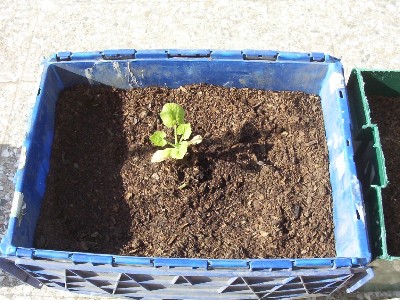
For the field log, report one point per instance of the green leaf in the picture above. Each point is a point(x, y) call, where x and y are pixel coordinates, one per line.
point(172, 114)
point(158, 138)
point(161, 155)
point(184, 130)
point(180, 151)
point(196, 140)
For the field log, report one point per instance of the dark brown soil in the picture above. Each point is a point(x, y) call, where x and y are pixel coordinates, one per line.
point(256, 187)
point(385, 112)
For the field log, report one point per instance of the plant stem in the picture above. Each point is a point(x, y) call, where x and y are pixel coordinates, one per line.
point(176, 136)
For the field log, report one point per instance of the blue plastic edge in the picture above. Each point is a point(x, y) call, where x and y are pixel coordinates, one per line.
point(181, 262)
point(252, 264)
point(342, 262)
point(290, 56)
point(117, 54)
point(189, 53)
point(271, 264)
point(152, 54)
point(51, 254)
point(92, 258)
point(93, 55)
point(228, 263)
point(348, 187)
point(322, 262)
point(131, 260)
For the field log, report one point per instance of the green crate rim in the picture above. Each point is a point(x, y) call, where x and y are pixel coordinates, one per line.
point(356, 77)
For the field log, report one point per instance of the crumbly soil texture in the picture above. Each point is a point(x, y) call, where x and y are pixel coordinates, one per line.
point(385, 112)
point(256, 187)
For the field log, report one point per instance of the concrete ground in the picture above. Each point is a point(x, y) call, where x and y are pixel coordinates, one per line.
point(362, 34)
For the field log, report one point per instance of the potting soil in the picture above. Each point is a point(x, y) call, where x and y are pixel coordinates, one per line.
point(256, 187)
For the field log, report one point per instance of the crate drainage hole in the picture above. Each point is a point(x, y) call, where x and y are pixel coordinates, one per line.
point(358, 214)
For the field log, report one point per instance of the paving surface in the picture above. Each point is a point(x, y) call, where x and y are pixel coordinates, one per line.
point(361, 33)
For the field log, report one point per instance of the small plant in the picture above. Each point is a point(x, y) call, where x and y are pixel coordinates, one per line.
point(173, 116)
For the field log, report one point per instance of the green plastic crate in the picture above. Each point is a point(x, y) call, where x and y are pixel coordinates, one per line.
point(371, 170)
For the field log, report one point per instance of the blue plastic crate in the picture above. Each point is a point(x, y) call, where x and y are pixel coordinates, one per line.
point(141, 277)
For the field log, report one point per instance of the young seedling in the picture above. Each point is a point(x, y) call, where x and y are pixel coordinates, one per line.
point(173, 116)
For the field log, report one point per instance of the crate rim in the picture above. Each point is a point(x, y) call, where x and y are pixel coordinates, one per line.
point(358, 73)
point(7, 249)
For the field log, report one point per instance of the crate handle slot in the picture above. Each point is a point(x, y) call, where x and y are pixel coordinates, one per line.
point(189, 53)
